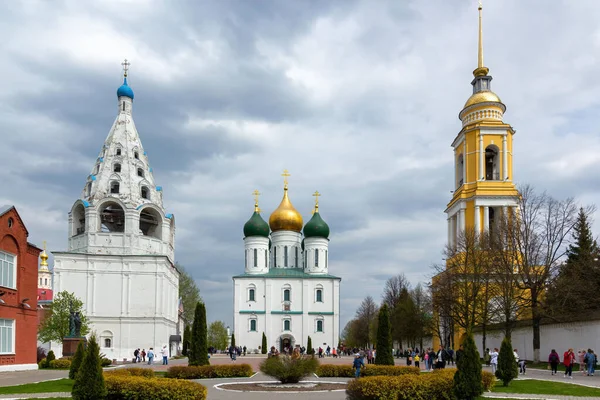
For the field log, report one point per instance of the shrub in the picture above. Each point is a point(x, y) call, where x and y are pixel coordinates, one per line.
point(263, 349)
point(89, 380)
point(121, 387)
point(105, 362)
point(76, 361)
point(198, 351)
point(309, 348)
point(41, 354)
point(507, 365)
point(488, 380)
point(384, 338)
point(42, 363)
point(467, 380)
point(60, 364)
point(346, 371)
point(289, 370)
point(210, 371)
point(186, 340)
point(143, 372)
point(233, 339)
point(49, 358)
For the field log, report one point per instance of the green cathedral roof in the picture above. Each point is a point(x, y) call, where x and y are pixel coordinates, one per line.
point(256, 226)
point(316, 227)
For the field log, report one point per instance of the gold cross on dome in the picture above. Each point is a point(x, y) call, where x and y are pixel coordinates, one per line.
point(316, 194)
point(256, 193)
point(125, 65)
point(44, 245)
point(285, 176)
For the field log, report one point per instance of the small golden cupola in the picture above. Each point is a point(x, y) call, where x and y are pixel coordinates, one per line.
point(482, 94)
point(286, 217)
point(44, 262)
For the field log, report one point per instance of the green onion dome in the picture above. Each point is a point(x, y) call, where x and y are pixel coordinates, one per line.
point(316, 227)
point(256, 226)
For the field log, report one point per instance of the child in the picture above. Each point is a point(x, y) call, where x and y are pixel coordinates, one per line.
point(416, 359)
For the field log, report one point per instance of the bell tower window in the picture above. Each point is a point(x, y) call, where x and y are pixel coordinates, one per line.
point(117, 167)
point(492, 171)
point(114, 187)
point(145, 193)
point(118, 152)
point(140, 172)
point(460, 170)
point(136, 155)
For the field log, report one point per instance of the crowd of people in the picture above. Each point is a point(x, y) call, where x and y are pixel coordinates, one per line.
point(139, 356)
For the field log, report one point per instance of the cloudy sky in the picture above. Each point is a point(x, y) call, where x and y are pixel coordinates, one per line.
point(357, 99)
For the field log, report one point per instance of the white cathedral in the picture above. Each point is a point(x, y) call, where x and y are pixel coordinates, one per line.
point(286, 290)
point(120, 258)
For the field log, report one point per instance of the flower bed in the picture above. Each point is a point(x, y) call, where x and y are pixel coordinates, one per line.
point(346, 371)
point(210, 371)
point(122, 387)
point(435, 385)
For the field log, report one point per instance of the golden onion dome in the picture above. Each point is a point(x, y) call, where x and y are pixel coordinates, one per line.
point(486, 96)
point(286, 217)
point(44, 263)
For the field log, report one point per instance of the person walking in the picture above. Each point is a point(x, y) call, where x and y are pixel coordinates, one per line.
point(494, 360)
point(581, 359)
point(590, 359)
point(165, 355)
point(143, 355)
point(568, 361)
point(357, 364)
point(150, 355)
point(553, 360)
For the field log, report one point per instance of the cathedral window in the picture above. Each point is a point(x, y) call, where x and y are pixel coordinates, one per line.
point(492, 220)
point(45, 281)
point(253, 327)
point(145, 193)
point(492, 165)
point(107, 341)
point(140, 172)
point(460, 170)
point(251, 295)
point(88, 189)
point(287, 325)
point(112, 218)
point(118, 152)
point(275, 257)
point(123, 106)
point(136, 155)
point(40, 281)
point(326, 258)
point(150, 223)
point(286, 295)
point(285, 256)
point(117, 167)
point(319, 296)
point(114, 187)
point(255, 258)
point(78, 220)
point(316, 258)
point(8, 271)
point(296, 256)
point(266, 259)
point(319, 325)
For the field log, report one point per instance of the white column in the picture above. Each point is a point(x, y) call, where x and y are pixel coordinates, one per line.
point(477, 218)
point(455, 226)
point(462, 219)
point(486, 219)
point(450, 232)
point(504, 159)
point(481, 157)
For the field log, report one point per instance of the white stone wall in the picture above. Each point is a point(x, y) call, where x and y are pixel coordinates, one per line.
point(134, 298)
point(268, 310)
point(576, 335)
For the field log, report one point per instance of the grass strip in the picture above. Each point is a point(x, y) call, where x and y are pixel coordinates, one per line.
point(533, 386)
point(60, 385)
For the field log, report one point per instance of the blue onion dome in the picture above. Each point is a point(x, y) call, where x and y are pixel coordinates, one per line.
point(125, 90)
point(316, 227)
point(256, 226)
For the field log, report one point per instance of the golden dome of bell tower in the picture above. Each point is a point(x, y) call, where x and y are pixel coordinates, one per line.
point(286, 217)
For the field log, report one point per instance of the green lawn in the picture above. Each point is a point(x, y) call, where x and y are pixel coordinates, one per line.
point(532, 386)
point(60, 385)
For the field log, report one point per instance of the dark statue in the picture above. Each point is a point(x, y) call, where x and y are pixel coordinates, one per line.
point(77, 319)
point(74, 322)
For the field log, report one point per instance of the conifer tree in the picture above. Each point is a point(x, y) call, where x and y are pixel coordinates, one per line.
point(76, 360)
point(49, 357)
point(198, 346)
point(263, 349)
point(187, 333)
point(89, 381)
point(467, 379)
point(309, 348)
point(507, 365)
point(233, 339)
point(384, 338)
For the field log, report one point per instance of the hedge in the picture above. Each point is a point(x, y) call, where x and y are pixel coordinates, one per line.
point(138, 387)
point(435, 385)
point(346, 371)
point(144, 372)
point(60, 364)
point(210, 371)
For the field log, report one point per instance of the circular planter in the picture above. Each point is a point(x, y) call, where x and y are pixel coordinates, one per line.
point(276, 387)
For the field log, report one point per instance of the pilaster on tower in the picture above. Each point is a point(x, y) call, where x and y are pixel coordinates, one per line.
point(483, 149)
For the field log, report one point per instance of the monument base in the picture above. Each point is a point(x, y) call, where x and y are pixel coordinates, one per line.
point(70, 345)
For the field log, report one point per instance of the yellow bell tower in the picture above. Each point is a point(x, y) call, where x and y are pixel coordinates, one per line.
point(483, 184)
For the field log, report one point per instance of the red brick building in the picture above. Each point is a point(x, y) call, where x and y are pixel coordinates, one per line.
point(18, 294)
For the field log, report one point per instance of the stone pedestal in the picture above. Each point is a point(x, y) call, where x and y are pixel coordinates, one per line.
point(70, 345)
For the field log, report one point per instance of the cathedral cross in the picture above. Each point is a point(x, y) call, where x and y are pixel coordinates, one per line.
point(256, 193)
point(44, 245)
point(285, 176)
point(317, 195)
point(125, 65)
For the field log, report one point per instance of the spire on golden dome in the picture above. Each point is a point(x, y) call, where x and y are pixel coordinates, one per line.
point(285, 217)
point(44, 262)
point(481, 69)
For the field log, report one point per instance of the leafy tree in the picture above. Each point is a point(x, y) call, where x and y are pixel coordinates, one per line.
point(309, 346)
point(384, 338)
point(217, 335)
point(198, 348)
point(467, 379)
point(76, 360)
point(507, 365)
point(187, 335)
point(56, 326)
point(189, 294)
point(89, 381)
point(263, 348)
point(233, 339)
